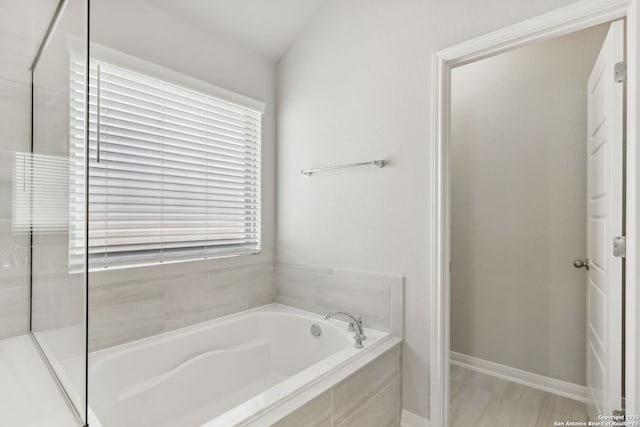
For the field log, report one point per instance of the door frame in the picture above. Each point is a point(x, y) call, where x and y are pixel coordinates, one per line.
point(575, 17)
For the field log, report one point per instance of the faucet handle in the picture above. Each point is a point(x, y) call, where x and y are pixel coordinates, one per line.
point(352, 326)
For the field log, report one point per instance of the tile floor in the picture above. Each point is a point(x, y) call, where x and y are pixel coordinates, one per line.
point(481, 400)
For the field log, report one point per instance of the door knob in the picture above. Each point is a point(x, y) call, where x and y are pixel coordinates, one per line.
point(581, 263)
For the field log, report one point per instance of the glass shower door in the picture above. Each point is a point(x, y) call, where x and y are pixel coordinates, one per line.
point(54, 200)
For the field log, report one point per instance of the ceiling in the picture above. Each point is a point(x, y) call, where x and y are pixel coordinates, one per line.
point(267, 27)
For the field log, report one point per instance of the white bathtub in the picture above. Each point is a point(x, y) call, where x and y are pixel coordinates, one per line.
point(224, 372)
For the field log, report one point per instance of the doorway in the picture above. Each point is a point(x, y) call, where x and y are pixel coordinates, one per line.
point(561, 22)
point(521, 174)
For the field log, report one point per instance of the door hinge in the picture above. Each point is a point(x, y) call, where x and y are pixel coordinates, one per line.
point(620, 72)
point(620, 247)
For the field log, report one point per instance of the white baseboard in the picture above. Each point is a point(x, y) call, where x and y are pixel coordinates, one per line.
point(548, 384)
point(409, 419)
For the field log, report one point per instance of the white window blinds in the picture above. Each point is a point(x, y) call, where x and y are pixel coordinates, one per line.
point(174, 174)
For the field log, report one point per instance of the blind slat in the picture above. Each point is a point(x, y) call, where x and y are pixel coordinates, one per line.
point(178, 177)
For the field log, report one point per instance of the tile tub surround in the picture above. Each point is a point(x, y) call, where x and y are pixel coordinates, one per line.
point(14, 281)
point(127, 310)
point(124, 310)
point(368, 397)
point(378, 298)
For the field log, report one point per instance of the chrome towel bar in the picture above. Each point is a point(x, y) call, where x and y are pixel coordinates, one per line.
point(378, 163)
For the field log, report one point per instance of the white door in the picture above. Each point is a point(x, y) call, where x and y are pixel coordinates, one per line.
point(604, 223)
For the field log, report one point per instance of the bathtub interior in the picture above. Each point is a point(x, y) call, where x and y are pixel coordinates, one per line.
point(190, 376)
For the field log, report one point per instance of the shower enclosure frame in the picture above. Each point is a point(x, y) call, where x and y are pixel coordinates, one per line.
point(82, 413)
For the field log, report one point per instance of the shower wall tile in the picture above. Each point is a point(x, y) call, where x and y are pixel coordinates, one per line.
point(57, 303)
point(364, 293)
point(261, 285)
point(123, 311)
point(192, 299)
point(7, 161)
point(13, 43)
point(15, 117)
point(22, 24)
point(14, 255)
point(126, 311)
point(11, 273)
point(58, 296)
point(376, 297)
point(297, 287)
point(14, 304)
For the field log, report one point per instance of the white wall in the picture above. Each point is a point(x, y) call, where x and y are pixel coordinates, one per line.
point(519, 182)
point(356, 86)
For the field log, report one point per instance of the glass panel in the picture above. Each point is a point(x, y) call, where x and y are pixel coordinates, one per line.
point(53, 188)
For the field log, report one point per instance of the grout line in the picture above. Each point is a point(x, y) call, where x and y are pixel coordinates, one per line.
point(10, 80)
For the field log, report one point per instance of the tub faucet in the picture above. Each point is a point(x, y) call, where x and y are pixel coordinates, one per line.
point(355, 325)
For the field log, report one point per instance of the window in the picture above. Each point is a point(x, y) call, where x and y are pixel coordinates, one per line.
point(174, 174)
